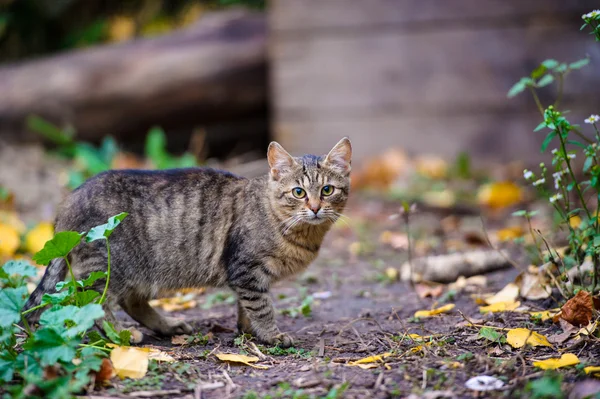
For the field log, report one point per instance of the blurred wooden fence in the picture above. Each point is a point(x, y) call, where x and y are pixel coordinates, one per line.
point(426, 75)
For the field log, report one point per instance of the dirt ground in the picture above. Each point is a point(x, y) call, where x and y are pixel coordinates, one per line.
point(362, 313)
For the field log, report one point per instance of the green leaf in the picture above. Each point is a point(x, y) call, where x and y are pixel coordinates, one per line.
point(71, 320)
point(94, 337)
point(520, 213)
point(520, 86)
point(7, 366)
point(539, 71)
point(110, 332)
point(88, 282)
point(588, 164)
point(91, 158)
point(19, 267)
point(491, 335)
point(11, 303)
point(85, 297)
point(156, 147)
point(125, 337)
point(50, 346)
point(58, 247)
point(545, 80)
point(49, 131)
point(104, 231)
point(579, 64)
point(550, 64)
point(576, 143)
point(547, 140)
point(540, 127)
point(58, 298)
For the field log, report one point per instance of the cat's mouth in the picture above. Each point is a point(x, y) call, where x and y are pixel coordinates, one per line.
point(314, 218)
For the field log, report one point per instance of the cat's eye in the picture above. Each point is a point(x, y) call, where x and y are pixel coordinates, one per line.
point(327, 190)
point(298, 192)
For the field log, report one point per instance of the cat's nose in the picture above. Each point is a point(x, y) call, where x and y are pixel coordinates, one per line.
point(315, 208)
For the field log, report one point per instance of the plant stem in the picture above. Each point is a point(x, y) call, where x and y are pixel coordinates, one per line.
point(34, 308)
point(103, 297)
point(560, 90)
point(537, 101)
point(72, 275)
point(26, 324)
point(95, 347)
point(570, 169)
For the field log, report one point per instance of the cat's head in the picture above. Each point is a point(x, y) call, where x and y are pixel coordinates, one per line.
point(310, 189)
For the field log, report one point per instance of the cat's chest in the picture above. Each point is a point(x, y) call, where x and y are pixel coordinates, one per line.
point(291, 259)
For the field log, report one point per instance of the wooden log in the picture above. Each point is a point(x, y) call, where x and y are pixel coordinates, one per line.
point(211, 72)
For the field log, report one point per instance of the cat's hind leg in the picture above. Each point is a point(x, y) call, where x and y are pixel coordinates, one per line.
point(141, 311)
point(136, 335)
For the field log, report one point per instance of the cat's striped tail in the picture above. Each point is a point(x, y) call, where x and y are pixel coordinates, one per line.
point(55, 273)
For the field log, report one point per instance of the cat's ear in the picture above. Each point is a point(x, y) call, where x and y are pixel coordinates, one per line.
point(340, 156)
point(279, 159)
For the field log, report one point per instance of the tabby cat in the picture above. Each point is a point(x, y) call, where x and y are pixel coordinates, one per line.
point(200, 227)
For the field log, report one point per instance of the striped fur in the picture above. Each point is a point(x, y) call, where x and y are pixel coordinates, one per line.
point(201, 227)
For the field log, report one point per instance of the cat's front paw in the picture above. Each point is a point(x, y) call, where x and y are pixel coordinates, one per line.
point(282, 340)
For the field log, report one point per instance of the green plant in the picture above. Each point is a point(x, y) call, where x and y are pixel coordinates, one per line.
point(573, 185)
point(547, 387)
point(592, 19)
point(40, 362)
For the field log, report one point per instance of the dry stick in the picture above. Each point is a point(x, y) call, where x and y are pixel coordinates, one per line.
point(481, 325)
point(487, 238)
point(556, 263)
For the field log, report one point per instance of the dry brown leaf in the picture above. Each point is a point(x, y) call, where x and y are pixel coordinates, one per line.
point(382, 171)
point(500, 307)
point(106, 371)
point(474, 281)
point(578, 310)
point(180, 339)
point(427, 289)
point(475, 238)
point(568, 331)
point(431, 166)
point(533, 285)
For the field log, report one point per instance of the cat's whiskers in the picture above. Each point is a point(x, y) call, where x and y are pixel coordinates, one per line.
point(295, 220)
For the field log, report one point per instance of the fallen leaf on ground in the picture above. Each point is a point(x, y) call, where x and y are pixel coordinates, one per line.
point(242, 359)
point(417, 337)
point(382, 171)
point(11, 219)
point(106, 371)
point(484, 383)
point(433, 312)
point(425, 289)
point(593, 370)
point(575, 221)
point(568, 331)
point(510, 233)
point(499, 195)
point(392, 273)
point(518, 336)
point(180, 339)
point(578, 310)
point(568, 359)
point(160, 356)
point(9, 240)
point(509, 293)
point(370, 361)
point(500, 307)
point(544, 314)
point(395, 240)
point(587, 330)
point(431, 166)
point(130, 362)
point(533, 285)
point(37, 237)
point(176, 303)
point(439, 199)
point(474, 281)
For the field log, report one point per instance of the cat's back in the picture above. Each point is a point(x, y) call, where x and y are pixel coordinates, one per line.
point(170, 192)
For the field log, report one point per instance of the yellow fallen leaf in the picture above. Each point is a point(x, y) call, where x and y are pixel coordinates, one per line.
point(545, 314)
point(575, 221)
point(416, 349)
point(392, 273)
point(456, 365)
point(130, 362)
point(568, 359)
point(509, 233)
point(439, 199)
point(242, 359)
point(433, 312)
point(370, 359)
point(37, 237)
point(176, 303)
point(518, 336)
point(431, 166)
point(12, 219)
point(593, 370)
point(500, 195)
point(121, 28)
point(417, 337)
point(9, 240)
point(509, 293)
point(500, 307)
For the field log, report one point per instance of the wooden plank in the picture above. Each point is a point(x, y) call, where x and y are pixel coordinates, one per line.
point(456, 69)
point(310, 16)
